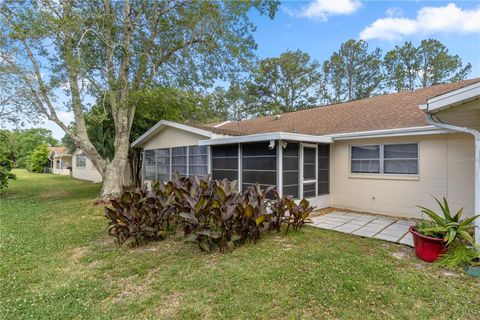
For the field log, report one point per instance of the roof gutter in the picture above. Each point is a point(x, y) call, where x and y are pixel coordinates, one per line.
point(436, 122)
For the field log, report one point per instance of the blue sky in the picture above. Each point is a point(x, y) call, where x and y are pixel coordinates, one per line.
point(319, 27)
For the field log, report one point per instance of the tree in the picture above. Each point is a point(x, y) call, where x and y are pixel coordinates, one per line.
point(285, 83)
point(118, 49)
point(17, 145)
point(409, 67)
point(353, 73)
point(401, 67)
point(5, 171)
point(232, 103)
point(38, 160)
point(438, 66)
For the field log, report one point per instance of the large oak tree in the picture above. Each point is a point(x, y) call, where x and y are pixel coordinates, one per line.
point(114, 49)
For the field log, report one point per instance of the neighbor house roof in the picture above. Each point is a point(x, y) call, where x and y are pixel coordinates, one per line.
point(383, 112)
point(59, 151)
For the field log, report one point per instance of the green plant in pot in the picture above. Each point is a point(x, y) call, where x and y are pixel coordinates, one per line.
point(432, 238)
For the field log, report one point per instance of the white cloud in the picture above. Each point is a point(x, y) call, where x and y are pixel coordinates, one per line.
point(429, 20)
point(322, 9)
point(394, 12)
point(66, 116)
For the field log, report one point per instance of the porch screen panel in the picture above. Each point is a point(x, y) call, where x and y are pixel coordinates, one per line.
point(198, 161)
point(259, 164)
point(163, 164)
point(309, 172)
point(323, 169)
point(225, 162)
point(290, 169)
point(150, 165)
point(179, 161)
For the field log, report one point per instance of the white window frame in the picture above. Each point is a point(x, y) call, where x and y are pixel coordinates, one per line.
point(84, 161)
point(382, 160)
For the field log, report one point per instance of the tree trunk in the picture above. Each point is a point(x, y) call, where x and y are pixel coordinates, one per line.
point(113, 176)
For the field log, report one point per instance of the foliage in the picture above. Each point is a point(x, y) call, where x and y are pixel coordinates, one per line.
point(120, 48)
point(38, 160)
point(353, 72)
point(18, 145)
point(459, 255)
point(409, 67)
point(285, 83)
point(5, 171)
point(212, 214)
point(138, 216)
point(449, 227)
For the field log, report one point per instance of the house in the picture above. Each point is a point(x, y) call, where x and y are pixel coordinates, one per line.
point(60, 160)
point(83, 168)
point(385, 154)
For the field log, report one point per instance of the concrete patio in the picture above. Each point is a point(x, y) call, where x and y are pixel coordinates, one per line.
point(367, 225)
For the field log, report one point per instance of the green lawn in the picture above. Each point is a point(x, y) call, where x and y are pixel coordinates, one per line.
point(58, 263)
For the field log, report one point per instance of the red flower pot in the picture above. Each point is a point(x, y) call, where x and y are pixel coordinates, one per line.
point(427, 248)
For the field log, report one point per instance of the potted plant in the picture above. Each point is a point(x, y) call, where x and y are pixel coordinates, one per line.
point(431, 238)
point(473, 267)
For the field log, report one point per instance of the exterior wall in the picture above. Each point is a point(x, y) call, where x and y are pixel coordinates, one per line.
point(466, 115)
point(172, 137)
point(446, 168)
point(64, 162)
point(85, 173)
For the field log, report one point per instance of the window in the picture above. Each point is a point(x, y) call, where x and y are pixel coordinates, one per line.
point(225, 162)
point(162, 164)
point(81, 161)
point(385, 159)
point(198, 161)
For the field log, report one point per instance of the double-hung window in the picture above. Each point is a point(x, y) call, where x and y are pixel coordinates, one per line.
point(385, 159)
point(81, 161)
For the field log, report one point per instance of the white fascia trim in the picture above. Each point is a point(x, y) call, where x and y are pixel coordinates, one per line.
point(398, 132)
point(451, 99)
point(166, 123)
point(266, 137)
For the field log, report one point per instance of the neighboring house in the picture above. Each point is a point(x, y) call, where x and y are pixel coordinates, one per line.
point(60, 160)
point(82, 168)
point(381, 154)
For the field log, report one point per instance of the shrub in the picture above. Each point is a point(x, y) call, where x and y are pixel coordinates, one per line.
point(5, 172)
point(212, 214)
point(38, 160)
point(138, 216)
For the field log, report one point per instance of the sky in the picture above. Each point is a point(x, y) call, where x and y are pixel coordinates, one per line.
point(319, 27)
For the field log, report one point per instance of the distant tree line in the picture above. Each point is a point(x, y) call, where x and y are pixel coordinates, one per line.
point(295, 81)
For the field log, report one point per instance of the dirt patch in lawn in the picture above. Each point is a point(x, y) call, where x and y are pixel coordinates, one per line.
point(54, 194)
point(170, 307)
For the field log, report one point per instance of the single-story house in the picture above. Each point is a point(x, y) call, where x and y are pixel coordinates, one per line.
point(385, 154)
point(60, 160)
point(83, 168)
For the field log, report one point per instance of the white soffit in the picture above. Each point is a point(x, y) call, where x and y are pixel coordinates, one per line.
point(399, 132)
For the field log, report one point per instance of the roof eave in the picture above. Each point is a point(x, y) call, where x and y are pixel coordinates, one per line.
point(451, 99)
point(267, 137)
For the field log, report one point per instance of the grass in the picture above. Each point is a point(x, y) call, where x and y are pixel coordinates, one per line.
point(58, 263)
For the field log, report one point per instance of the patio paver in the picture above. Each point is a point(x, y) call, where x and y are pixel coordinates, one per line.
point(367, 225)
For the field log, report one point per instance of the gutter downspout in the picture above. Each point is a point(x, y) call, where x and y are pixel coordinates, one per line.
point(476, 135)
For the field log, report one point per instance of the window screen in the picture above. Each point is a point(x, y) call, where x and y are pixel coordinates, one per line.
point(225, 162)
point(323, 169)
point(179, 161)
point(197, 161)
point(400, 158)
point(259, 164)
point(150, 165)
point(163, 164)
point(290, 169)
point(365, 159)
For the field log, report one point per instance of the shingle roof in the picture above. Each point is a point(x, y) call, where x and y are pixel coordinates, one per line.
point(59, 150)
point(388, 111)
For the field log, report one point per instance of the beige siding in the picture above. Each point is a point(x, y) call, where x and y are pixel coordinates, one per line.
point(446, 168)
point(85, 173)
point(173, 137)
